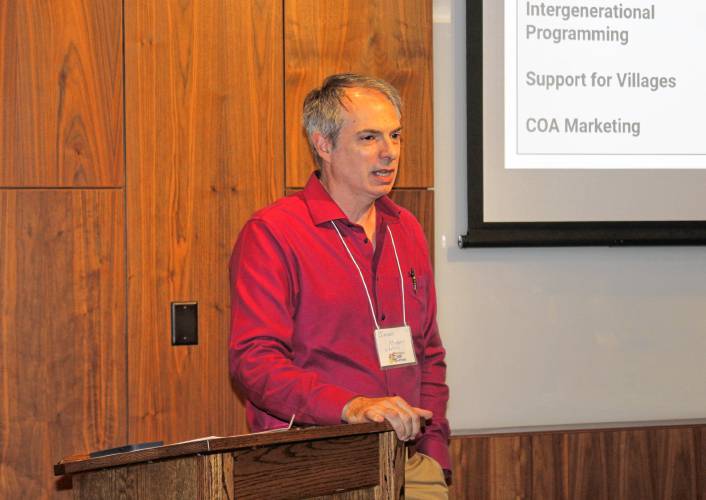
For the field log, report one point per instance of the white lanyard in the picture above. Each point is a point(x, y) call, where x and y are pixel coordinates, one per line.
point(399, 268)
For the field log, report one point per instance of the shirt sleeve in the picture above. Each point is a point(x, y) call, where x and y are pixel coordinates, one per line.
point(435, 392)
point(263, 305)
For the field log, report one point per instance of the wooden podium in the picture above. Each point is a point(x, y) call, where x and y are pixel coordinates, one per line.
point(342, 461)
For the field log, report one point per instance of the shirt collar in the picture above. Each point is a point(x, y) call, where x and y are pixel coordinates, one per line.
point(323, 209)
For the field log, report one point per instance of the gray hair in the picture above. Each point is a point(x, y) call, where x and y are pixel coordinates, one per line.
point(322, 107)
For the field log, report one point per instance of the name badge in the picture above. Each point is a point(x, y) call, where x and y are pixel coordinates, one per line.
point(395, 347)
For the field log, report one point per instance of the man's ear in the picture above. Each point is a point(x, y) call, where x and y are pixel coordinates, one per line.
point(322, 145)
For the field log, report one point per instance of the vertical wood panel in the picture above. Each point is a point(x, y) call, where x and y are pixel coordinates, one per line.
point(494, 468)
point(548, 472)
point(674, 451)
point(383, 38)
point(701, 461)
point(635, 479)
point(62, 332)
point(634, 464)
point(465, 467)
point(204, 151)
point(510, 467)
point(61, 93)
point(588, 467)
point(624, 464)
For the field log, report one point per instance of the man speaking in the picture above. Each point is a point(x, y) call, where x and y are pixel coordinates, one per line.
point(333, 308)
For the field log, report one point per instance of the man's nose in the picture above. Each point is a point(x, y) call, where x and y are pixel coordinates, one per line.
point(390, 149)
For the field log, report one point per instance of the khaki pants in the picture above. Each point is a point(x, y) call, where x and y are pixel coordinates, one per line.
point(424, 479)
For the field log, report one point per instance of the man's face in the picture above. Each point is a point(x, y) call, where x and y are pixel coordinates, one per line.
point(363, 165)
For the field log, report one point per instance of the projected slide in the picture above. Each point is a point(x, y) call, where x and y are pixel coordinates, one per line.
point(607, 85)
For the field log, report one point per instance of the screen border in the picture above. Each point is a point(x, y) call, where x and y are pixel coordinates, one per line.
point(507, 234)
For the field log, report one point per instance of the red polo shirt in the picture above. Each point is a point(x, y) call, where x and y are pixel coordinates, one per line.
point(301, 326)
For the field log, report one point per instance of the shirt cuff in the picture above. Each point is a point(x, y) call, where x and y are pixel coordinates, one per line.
point(330, 412)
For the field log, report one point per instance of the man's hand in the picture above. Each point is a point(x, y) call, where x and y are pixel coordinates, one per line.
point(403, 417)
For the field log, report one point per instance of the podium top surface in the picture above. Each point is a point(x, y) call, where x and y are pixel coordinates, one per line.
point(83, 463)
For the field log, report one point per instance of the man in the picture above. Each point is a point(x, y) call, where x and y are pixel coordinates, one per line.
point(333, 304)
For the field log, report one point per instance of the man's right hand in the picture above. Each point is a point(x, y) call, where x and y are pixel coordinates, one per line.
point(405, 419)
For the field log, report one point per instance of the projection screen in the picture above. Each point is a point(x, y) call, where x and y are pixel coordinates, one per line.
point(586, 122)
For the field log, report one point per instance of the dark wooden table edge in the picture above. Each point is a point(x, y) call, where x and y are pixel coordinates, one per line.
point(83, 463)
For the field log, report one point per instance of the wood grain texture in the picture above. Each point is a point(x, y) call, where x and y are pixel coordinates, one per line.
point(657, 463)
point(645, 464)
point(589, 464)
point(492, 468)
point(392, 456)
point(345, 462)
point(197, 477)
point(79, 463)
point(62, 332)
point(358, 494)
point(307, 469)
point(204, 150)
point(200, 477)
point(701, 461)
point(549, 475)
point(388, 39)
point(61, 119)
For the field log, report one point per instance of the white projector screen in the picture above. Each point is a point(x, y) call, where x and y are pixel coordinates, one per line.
point(586, 122)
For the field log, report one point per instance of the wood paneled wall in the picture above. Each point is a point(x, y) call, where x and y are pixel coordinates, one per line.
point(62, 259)
point(125, 176)
point(204, 150)
point(651, 463)
point(61, 121)
point(388, 39)
point(62, 336)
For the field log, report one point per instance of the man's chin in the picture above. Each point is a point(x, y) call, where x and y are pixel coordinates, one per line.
point(383, 191)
